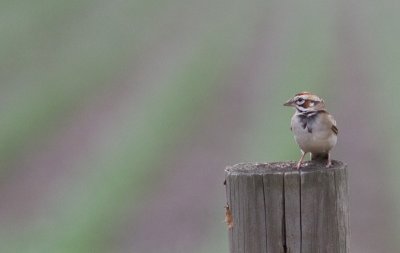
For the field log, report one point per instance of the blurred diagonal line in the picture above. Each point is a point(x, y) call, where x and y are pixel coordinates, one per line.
point(58, 71)
point(101, 168)
point(173, 219)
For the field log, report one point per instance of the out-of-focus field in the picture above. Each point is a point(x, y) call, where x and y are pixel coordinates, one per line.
point(117, 118)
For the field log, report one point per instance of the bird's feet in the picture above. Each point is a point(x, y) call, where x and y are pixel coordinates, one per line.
point(329, 164)
point(301, 160)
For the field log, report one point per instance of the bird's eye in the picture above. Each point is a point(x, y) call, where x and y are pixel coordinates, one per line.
point(300, 101)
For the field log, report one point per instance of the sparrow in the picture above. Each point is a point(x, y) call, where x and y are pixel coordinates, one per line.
point(314, 128)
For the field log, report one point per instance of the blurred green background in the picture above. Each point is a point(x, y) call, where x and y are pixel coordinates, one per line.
point(119, 117)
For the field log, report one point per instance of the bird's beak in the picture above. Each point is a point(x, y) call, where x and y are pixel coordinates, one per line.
point(289, 102)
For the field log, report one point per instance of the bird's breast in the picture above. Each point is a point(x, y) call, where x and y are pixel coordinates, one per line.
point(312, 135)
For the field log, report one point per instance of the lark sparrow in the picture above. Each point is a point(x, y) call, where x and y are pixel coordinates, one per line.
point(314, 128)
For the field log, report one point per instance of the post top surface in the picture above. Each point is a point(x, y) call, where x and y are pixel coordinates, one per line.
point(282, 167)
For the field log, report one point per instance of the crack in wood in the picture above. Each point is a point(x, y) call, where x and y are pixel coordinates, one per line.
point(265, 214)
point(283, 215)
point(301, 227)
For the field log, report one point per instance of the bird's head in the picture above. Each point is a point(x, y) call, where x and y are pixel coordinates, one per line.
point(306, 102)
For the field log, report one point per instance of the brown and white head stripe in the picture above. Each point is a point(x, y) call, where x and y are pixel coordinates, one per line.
point(306, 102)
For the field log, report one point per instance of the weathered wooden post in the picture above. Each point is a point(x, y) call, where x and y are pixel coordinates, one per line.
point(278, 209)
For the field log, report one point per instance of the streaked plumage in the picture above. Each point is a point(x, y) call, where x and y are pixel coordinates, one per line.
point(314, 128)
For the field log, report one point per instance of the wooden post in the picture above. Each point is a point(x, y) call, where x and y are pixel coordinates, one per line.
point(276, 208)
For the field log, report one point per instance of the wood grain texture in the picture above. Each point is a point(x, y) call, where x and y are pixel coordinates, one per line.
point(273, 211)
point(292, 211)
point(277, 209)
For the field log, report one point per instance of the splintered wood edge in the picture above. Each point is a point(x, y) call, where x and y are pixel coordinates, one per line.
point(282, 167)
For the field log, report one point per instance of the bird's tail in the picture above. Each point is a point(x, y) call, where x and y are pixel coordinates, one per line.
point(319, 156)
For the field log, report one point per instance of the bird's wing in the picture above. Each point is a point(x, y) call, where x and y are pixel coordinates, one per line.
point(334, 127)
